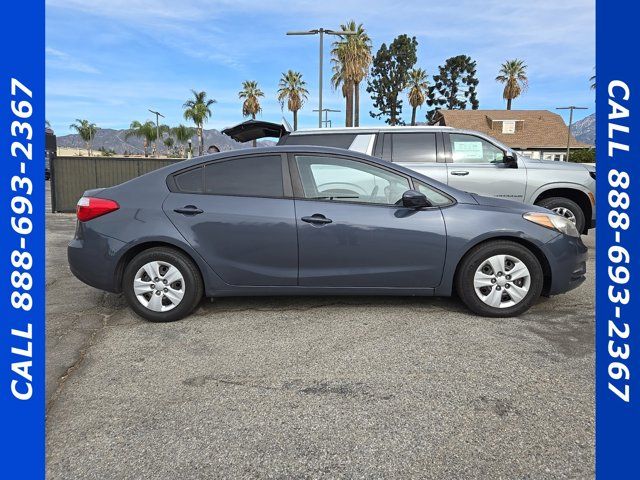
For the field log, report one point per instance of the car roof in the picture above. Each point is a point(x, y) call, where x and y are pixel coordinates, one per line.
point(356, 130)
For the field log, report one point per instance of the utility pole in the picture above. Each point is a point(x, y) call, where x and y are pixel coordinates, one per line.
point(571, 109)
point(321, 32)
point(326, 121)
point(157, 114)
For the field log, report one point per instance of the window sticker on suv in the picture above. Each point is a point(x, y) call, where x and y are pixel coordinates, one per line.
point(467, 150)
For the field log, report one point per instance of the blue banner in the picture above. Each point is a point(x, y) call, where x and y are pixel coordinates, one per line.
point(617, 272)
point(22, 314)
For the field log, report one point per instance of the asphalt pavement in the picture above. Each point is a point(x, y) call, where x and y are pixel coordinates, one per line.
point(333, 387)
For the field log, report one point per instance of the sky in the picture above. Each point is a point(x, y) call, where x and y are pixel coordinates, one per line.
point(109, 61)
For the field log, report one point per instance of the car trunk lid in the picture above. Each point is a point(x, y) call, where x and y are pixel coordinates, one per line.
point(255, 130)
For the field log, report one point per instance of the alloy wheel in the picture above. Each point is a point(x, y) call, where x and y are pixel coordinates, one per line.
point(502, 281)
point(159, 286)
point(566, 213)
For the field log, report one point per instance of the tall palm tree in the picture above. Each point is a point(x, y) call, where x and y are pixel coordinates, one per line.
point(292, 89)
point(198, 110)
point(513, 73)
point(147, 131)
point(86, 130)
point(351, 61)
point(183, 134)
point(417, 90)
point(251, 95)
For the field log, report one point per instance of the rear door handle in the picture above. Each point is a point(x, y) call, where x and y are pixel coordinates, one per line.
point(317, 219)
point(460, 173)
point(189, 210)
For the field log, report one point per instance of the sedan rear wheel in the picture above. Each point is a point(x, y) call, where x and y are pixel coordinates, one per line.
point(499, 279)
point(162, 284)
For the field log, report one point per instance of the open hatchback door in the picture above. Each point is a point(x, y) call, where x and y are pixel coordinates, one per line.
point(255, 130)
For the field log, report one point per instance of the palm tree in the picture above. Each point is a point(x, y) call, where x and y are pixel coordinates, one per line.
point(183, 134)
point(251, 95)
point(146, 130)
point(292, 89)
point(513, 73)
point(351, 61)
point(417, 90)
point(86, 130)
point(198, 110)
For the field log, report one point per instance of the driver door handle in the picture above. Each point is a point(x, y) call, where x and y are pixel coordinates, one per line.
point(317, 219)
point(460, 173)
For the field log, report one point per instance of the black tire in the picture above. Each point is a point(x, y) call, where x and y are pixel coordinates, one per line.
point(193, 287)
point(464, 281)
point(561, 202)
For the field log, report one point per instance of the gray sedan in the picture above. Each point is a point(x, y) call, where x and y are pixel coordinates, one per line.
point(306, 220)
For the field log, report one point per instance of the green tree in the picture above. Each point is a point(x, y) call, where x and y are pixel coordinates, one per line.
point(183, 134)
point(389, 77)
point(582, 155)
point(251, 95)
point(292, 88)
point(198, 110)
point(86, 130)
point(147, 131)
point(351, 60)
point(513, 73)
point(455, 86)
point(418, 86)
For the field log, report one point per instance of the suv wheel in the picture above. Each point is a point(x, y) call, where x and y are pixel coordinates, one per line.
point(566, 208)
point(162, 285)
point(499, 279)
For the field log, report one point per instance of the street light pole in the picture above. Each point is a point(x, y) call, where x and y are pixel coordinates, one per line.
point(326, 111)
point(321, 32)
point(571, 109)
point(158, 114)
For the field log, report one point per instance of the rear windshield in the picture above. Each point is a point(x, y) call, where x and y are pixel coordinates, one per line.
point(338, 140)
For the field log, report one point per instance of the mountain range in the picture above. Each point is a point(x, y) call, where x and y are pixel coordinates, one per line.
point(585, 130)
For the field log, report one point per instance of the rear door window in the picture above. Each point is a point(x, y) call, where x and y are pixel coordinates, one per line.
point(414, 147)
point(255, 176)
point(190, 181)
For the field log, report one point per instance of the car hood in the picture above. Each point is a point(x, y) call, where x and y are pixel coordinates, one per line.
point(506, 204)
point(255, 130)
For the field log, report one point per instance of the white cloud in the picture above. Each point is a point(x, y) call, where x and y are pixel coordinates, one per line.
point(61, 60)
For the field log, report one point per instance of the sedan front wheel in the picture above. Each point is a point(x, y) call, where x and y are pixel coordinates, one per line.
point(499, 279)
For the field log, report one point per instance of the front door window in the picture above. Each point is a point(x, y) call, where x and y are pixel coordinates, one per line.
point(342, 180)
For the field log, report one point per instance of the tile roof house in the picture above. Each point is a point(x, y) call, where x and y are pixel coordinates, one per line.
point(535, 133)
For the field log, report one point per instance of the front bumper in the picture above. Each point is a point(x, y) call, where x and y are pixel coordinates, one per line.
point(567, 258)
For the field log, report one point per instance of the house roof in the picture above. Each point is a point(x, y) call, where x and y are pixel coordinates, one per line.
point(533, 128)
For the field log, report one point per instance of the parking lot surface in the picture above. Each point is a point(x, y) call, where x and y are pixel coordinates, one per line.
point(334, 387)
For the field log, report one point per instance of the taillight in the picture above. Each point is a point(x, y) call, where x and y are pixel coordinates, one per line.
point(89, 208)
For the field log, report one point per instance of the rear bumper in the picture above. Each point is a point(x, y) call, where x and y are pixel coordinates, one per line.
point(94, 261)
point(568, 263)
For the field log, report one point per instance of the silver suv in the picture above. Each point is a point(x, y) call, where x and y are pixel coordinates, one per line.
point(464, 159)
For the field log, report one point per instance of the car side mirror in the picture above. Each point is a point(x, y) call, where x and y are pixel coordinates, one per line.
point(510, 160)
point(414, 199)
